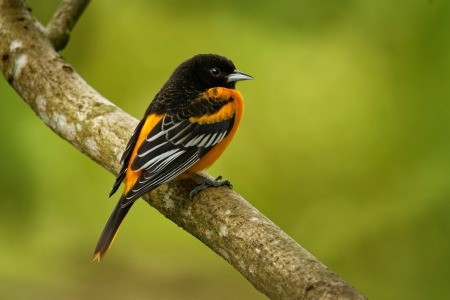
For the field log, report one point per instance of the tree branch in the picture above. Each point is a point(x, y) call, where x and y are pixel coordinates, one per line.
point(273, 262)
point(63, 20)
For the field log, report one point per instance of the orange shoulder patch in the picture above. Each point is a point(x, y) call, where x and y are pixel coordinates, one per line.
point(132, 176)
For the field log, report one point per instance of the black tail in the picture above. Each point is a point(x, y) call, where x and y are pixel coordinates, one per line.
point(110, 230)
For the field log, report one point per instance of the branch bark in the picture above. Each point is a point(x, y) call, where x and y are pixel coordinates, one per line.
point(272, 261)
point(63, 20)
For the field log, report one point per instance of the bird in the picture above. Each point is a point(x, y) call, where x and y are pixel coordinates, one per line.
point(184, 130)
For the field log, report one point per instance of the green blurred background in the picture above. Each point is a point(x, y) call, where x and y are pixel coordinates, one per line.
point(345, 145)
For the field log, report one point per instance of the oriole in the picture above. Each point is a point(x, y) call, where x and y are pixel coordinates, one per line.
point(185, 129)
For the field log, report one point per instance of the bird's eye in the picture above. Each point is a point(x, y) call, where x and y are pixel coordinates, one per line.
point(215, 72)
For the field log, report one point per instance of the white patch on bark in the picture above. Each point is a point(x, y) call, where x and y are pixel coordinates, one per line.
point(81, 115)
point(168, 202)
point(228, 212)
point(187, 212)
point(208, 234)
point(20, 63)
point(257, 250)
point(40, 27)
point(59, 122)
point(251, 269)
point(241, 265)
point(254, 219)
point(117, 153)
point(16, 44)
point(223, 253)
point(223, 231)
point(91, 144)
point(79, 127)
point(41, 105)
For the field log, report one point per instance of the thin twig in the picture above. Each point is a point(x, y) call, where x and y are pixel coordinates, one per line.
point(272, 261)
point(63, 20)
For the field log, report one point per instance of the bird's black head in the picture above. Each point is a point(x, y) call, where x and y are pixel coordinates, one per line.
point(205, 71)
point(193, 77)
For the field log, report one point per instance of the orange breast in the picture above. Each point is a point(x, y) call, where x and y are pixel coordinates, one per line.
point(236, 108)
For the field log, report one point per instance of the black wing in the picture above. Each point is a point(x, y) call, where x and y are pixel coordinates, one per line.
point(172, 147)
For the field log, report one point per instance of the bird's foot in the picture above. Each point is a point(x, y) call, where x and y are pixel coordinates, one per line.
point(208, 183)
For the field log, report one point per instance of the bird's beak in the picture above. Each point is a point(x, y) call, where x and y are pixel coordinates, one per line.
point(238, 76)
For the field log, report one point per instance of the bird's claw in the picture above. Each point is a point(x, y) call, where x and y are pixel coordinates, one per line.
point(209, 183)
